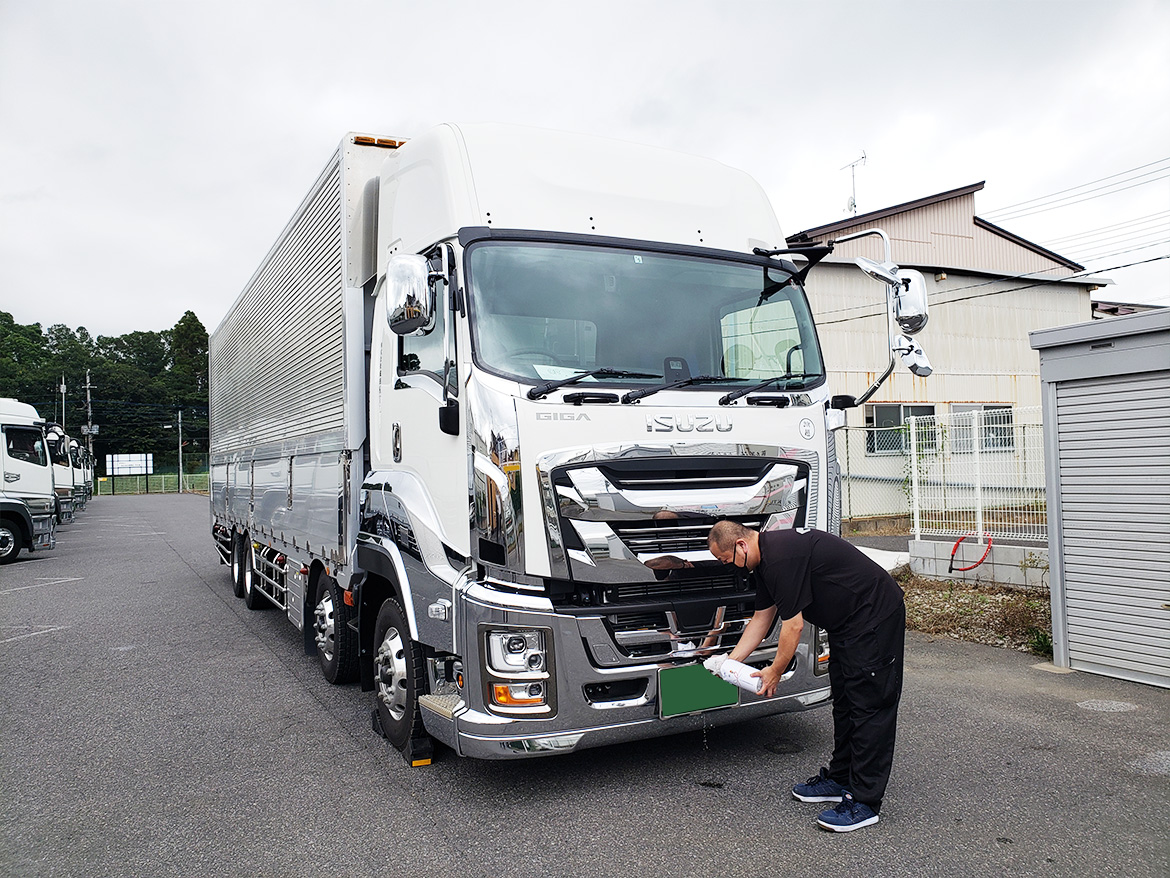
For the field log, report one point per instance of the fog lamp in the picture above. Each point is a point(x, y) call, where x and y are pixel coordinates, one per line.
point(518, 694)
point(822, 651)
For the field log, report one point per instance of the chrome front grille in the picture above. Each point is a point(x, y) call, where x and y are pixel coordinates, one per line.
point(665, 537)
point(643, 518)
point(667, 633)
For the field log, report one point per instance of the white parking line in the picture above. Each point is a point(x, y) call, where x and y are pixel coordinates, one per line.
point(39, 585)
point(35, 633)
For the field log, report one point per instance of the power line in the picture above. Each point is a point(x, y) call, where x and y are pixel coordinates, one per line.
point(1136, 221)
point(880, 309)
point(1088, 197)
point(1135, 235)
point(1131, 249)
point(1007, 208)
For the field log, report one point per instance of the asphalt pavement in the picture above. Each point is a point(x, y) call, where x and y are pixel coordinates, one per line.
point(153, 725)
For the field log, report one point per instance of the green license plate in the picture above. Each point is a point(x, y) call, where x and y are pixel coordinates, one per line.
point(691, 689)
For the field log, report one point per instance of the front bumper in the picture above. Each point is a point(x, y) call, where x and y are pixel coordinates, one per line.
point(593, 700)
point(44, 532)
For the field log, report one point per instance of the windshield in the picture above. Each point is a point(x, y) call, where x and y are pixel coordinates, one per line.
point(548, 311)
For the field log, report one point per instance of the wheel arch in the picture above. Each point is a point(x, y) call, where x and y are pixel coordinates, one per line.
point(19, 516)
point(317, 570)
point(384, 577)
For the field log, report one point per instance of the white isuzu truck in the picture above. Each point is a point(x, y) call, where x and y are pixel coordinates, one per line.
point(476, 411)
point(69, 500)
point(27, 498)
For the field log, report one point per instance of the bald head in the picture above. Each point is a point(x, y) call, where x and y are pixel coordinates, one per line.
point(724, 534)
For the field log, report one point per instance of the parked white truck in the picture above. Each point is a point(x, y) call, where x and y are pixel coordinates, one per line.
point(27, 498)
point(476, 411)
point(63, 475)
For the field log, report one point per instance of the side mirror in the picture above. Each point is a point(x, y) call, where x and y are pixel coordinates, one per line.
point(886, 272)
point(910, 301)
point(410, 306)
point(913, 356)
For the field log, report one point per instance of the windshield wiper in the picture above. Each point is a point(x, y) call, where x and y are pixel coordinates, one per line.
point(635, 395)
point(729, 398)
point(542, 390)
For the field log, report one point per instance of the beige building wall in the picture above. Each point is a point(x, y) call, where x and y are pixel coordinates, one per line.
point(977, 337)
point(987, 289)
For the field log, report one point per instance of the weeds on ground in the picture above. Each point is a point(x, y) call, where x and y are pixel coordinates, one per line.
point(992, 614)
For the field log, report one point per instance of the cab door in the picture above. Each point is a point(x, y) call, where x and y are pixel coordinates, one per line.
point(27, 473)
point(426, 425)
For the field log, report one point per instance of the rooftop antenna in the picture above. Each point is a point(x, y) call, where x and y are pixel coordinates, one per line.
point(851, 204)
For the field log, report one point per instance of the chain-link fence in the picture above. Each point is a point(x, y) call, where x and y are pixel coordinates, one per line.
point(874, 473)
point(978, 471)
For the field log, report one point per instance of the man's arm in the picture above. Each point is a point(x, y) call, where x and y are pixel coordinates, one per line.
point(754, 633)
point(790, 630)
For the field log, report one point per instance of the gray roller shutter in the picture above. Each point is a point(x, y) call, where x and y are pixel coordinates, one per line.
point(1113, 444)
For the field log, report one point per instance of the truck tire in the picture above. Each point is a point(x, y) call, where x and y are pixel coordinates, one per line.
point(253, 599)
point(337, 643)
point(399, 676)
point(11, 541)
point(237, 567)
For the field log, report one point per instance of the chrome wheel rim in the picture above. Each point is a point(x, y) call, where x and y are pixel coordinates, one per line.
point(390, 673)
point(324, 623)
point(247, 576)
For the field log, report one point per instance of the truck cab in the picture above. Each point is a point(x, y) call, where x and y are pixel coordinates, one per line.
point(27, 498)
point(58, 444)
point(568, 387)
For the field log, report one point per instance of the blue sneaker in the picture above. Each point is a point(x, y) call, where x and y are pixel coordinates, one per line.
point(847, 816)
point(820, 788)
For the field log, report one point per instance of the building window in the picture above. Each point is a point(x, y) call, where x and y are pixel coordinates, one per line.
point(996, 432)
point(887, 428)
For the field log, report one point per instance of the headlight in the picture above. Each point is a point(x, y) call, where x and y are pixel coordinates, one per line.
point(516, 651)
point(519, 672)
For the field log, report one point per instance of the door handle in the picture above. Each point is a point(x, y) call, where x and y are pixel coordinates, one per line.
point(396, 443)
point(12, 477)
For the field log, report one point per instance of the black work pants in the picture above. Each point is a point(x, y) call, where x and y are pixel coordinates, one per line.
point(866, 677)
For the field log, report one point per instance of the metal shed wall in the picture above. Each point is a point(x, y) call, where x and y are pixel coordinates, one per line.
point(1107, 434)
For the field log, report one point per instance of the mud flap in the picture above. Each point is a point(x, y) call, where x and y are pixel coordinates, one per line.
point(419, 751)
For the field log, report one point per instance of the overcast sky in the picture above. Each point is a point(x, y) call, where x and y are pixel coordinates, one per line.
point(152, 150)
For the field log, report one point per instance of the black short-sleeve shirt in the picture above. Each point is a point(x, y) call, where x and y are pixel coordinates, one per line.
point(835, 585)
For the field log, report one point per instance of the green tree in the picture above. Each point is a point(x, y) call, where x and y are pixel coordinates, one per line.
point(139, 382)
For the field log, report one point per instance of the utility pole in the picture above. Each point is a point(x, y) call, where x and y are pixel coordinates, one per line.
point(88, 415)
point(62, 402)
point(180, 451)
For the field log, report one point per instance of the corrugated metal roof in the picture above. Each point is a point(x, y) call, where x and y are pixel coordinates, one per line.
point(942, 231)
point(820, 233)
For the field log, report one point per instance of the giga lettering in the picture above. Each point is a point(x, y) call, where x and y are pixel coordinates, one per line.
point(562, 416)
point(687, 423)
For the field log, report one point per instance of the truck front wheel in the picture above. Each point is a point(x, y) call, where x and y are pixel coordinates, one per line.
point(10, 542)
point(398, 676)
point(337, 643)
